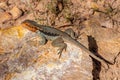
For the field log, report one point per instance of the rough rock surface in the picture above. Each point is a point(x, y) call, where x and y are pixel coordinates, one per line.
point(22, 56)
point(96, 22)
point(107, 45)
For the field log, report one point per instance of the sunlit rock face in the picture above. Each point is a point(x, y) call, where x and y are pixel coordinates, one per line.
point(22, 57)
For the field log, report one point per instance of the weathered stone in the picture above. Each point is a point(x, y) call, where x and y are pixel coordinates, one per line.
point(28, 59)
point(5, 16)
point(15, 12)
point(3, 5)
point(107, 45)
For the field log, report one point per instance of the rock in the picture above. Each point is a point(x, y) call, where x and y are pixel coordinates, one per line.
point(61, 21)
point(1, 10)
point(107, 45)
point(3, 0)
point(29, 60)
point(5, 16)
point(3, 5)
point(15, 12)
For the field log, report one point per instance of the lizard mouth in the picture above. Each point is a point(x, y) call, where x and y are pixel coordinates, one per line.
point(28, 25)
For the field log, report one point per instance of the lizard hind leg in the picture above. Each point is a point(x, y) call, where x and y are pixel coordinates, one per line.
point(70, 32)
point(58, 42)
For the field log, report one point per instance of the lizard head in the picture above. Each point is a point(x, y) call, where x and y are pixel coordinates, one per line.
point(30, 25)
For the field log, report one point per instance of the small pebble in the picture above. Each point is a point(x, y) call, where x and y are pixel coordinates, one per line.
point(3, 5)
point(5, 16)
point(1, 10)
point(15, 12)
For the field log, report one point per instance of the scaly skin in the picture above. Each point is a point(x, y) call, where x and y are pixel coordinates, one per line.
point(33, 26)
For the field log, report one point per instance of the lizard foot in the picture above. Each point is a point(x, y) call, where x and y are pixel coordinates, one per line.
point(64, 46)
point(58, 42)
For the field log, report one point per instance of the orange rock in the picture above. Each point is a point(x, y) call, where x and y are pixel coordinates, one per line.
point(3, 5)
point(5, 16)
point(3, 0)
point(15, 12)
point(9, 76)
point(1, 51)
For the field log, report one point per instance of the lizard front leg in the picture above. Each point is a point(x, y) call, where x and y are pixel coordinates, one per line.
point(58, 42)
point(43, 40)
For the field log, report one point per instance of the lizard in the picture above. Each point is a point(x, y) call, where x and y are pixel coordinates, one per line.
point(58, 37)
